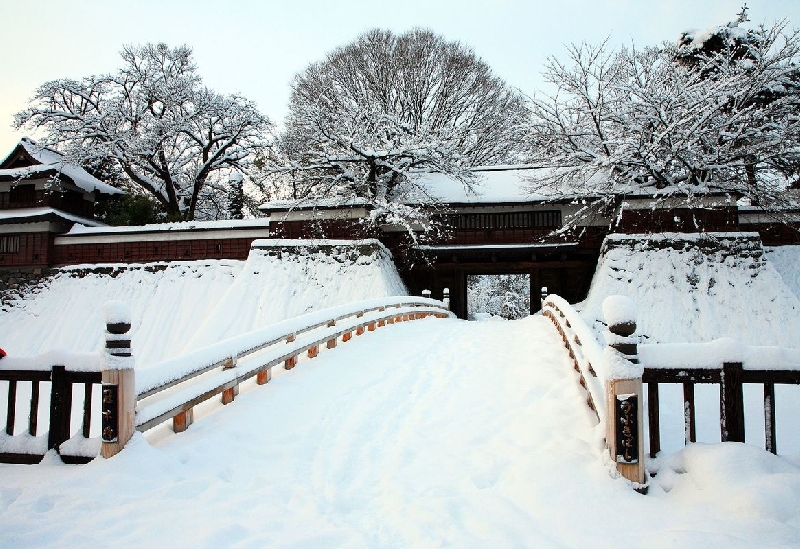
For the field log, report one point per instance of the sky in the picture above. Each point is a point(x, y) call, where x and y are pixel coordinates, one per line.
point(255, 48)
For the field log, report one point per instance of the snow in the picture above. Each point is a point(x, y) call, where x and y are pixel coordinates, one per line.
point(225, 224)
point(714, 353)
point(786, 259)
point(433, 433)
point(116, 312)
point(32, 213)
point(618, 309)
point(616, 366)
point(50, 160)
point(696, 288)
point(72, 361)
point(182, 306)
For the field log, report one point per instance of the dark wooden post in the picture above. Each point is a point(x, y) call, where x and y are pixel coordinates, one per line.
point(770, 443)
point(33, 420)
point(446, 298)
point(544, 295)
point(119, 381)
point(653, 418)
point(11, 410)
point(60, 408)
point(689, 429)
point(426, 293)
point(731, 403)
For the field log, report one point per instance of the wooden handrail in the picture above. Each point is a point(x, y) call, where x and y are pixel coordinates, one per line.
point(257, 340)
point(568, 325)
point(731, 404)
point(170, 400)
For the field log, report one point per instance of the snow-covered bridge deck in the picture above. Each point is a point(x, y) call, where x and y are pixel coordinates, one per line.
point(435, 433)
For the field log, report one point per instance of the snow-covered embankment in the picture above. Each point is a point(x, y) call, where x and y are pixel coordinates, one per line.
point(697, 287)
point(182, 306)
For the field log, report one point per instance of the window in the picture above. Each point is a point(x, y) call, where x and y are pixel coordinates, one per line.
point(549, 219)
point(9, 244)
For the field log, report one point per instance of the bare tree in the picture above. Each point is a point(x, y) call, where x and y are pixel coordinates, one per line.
point(154, 121)
point(679, 119)
point(377, 111)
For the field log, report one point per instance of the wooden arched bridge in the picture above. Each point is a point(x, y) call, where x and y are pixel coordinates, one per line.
point(620, 378)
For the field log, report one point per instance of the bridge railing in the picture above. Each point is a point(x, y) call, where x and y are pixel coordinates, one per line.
point(614, 376)
point(139, 400)
point(171, 389)
point(49, 379)
point(723, 362)
point(610, 375)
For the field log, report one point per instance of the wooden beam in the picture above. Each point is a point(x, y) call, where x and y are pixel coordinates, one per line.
point(770, 441)
point(731, 403)
point(689, 430)
point(653, 419)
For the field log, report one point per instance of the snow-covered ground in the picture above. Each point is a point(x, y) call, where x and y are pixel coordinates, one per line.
point(181, 306)
point(433, 433)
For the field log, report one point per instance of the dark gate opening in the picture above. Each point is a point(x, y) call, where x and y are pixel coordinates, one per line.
point(498, 295)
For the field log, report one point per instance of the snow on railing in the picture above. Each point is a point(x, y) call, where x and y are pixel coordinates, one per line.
point(63, 371)
point(616, 392)
point(584, 350)
point(170, 389)
point(142, 399)
point(724, 362)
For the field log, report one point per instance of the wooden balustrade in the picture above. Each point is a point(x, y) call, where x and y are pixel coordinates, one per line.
point(731, 377)
point(260, 359)
point(60, 407)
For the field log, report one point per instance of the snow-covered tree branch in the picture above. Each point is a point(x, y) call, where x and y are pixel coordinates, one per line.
point(155, 122)
point(716, 111)
point(375, 112)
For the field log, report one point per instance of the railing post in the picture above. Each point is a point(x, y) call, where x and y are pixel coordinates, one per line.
point(60, 408)
point(624, 415)
point(331, 344)
point(731, 403)
point(770, 443)
point(426, 293)
point(290, 362)
point(119, 382)
point(543, 297)
point(446, 298)
point(229, 394)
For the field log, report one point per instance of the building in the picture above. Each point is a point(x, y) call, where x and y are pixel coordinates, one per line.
point(41, 197)
point(510, 223)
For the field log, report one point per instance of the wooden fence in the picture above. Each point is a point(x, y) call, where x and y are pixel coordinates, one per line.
point(728, 364)
point(730, 377)
point(61, 382)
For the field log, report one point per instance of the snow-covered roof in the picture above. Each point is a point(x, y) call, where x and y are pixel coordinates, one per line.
point(31, 215)
point(493, 185)
point(228, 224)
point(50, 161)
point(500, 184)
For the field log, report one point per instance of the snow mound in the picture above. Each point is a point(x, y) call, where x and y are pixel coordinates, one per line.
point(180, 306)
point(696, 287)
point(286, 278)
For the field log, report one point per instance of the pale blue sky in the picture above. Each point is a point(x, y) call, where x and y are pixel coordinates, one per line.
point(255, 48)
